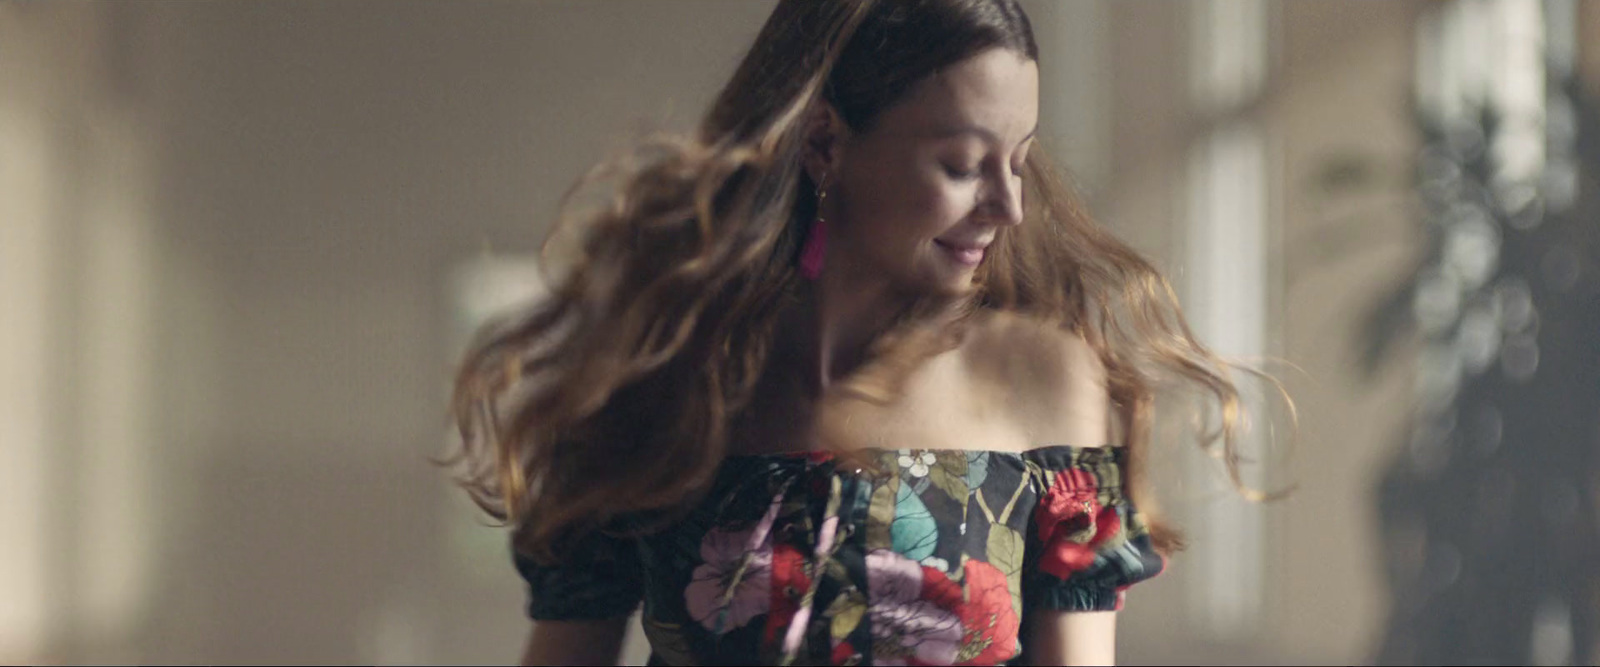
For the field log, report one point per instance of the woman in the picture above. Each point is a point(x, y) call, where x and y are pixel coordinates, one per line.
point(847, 377)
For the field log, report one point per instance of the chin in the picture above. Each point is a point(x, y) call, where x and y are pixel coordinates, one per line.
point(951, 286)
point(959, 285)
point(940, 280)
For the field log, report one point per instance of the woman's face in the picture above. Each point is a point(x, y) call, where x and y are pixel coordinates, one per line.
point(917, 198)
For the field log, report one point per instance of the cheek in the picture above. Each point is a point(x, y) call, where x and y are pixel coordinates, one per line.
point(913, 209)
point(948, 204)
point(937, 208)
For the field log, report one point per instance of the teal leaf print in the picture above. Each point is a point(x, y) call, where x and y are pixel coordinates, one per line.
point(977, 468)
point(914, 533)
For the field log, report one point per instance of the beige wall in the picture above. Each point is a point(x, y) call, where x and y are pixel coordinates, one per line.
point(230, 225)
point(1344, 250)
point(308, 174)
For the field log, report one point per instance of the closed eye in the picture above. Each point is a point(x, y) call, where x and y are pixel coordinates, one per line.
point(959, 174)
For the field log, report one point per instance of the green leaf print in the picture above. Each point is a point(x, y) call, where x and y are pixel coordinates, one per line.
point(1004, 551)
point(914, 533)
point(668, 640)
point(846, 612)
point(837, 571)
point(955, 462)
point(949, 473)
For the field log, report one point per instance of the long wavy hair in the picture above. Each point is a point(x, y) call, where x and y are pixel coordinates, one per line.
point(611, 400)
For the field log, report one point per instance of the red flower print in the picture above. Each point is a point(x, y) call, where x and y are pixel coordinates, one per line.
point(990, 621)
point(845, 654)
point(789, 584)
point(1072, 523)
point(939, 589)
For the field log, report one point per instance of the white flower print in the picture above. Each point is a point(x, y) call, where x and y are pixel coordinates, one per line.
point(919, 465)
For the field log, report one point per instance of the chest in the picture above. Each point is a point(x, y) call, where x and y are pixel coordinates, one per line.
point(938, 405)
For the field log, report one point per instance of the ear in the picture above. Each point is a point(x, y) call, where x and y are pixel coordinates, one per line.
point(825, 133)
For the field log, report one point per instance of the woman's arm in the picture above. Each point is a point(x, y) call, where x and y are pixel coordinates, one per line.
point(1070, 638)
point(575, 642)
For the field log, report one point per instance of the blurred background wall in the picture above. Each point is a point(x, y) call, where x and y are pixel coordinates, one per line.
point(241, 242)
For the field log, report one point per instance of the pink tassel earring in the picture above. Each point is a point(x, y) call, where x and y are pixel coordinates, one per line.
point(816, 239)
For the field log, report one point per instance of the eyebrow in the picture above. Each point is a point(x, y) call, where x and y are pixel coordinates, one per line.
point(980, 131)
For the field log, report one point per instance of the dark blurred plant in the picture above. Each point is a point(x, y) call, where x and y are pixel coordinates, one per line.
point(1489, 505)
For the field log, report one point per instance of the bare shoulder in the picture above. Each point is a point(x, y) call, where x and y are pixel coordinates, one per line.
point(1048, 379)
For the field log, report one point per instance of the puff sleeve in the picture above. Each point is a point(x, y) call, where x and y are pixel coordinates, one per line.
point(1088, 543)
point(603, 579)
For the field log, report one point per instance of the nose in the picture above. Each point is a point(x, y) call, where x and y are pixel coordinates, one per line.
point(1003, 200)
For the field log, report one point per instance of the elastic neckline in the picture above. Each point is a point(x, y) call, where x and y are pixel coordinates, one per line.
point(824, 454)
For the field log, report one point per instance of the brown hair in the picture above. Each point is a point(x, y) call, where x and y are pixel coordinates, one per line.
point(611, 399)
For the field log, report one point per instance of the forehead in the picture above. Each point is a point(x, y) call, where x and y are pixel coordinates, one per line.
point(996, 91)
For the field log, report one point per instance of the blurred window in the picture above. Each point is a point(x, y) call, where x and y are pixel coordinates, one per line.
point(1225, 286)
point(479, 291)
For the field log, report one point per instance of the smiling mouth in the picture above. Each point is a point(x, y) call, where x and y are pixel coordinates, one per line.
point(964, 255)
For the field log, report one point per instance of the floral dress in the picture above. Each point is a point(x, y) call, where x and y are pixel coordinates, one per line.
point(805, 558)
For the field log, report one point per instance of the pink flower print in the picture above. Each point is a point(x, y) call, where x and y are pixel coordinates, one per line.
point(734, 582)
point(906, 627)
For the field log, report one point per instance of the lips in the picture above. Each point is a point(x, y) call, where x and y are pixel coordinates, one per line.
point(967, 254)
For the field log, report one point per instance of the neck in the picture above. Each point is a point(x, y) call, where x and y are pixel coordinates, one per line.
point(829, 329)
